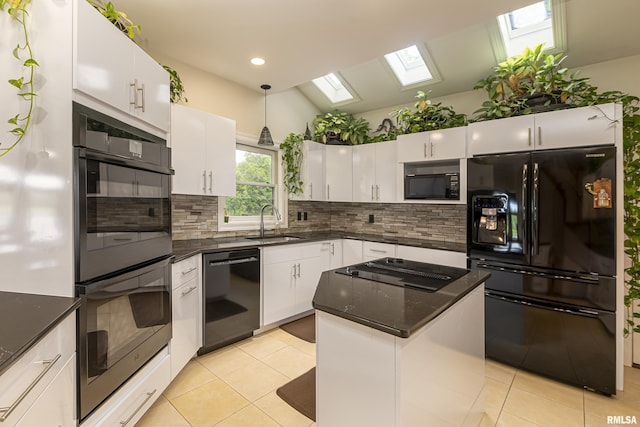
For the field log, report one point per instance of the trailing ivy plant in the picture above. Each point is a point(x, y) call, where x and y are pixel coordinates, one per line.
point(117, 17)
point(23, 53)
point(176, 89)
point(292, 161)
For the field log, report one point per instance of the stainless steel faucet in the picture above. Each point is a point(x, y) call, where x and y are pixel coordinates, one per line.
point(276, 213)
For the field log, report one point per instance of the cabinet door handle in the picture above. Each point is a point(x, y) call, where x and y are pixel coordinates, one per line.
point(149, 395)
point(328, 196)
point(377, 192)
point(141, 90)
point(134, 86)
point(298, 270)
point(294, 271)
point(204, 181)
point(379, 251)
point(372, 196)
point(529, 137)
point(48, 364)
point(431, 148)
point(333, 249)
point(188, 291)
point(539, 135)
point(425, 150)
point(311, 191)
point(184, 272)
point(210, 181)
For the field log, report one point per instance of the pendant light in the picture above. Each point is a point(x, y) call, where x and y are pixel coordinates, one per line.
point(265, 135)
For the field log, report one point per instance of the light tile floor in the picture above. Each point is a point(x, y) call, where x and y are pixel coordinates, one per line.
point(236, 386)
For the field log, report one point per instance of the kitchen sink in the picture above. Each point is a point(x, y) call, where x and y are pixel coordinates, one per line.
point(274, 239)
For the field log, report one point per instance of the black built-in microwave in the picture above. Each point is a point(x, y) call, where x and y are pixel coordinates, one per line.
point(432, 186)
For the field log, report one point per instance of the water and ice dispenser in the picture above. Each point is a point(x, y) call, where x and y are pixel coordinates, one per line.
point(489, 219)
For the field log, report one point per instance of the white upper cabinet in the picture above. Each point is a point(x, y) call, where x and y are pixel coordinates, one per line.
point(312, 172)
point(375, 172)
point(112, 69)
point(555, 129)
point(433, 145)
point(202, 153)
point(338, 173)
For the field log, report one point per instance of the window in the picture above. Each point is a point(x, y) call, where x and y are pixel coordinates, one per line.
point(333, 88)
point(256, 186)
point(528, 26)
point(409, 66)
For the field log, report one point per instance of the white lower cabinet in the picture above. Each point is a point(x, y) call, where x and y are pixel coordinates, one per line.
point(331, 254)
point(127, 405)
point(290, 276)
point(56, 406)
point(351, 251)
point(375, 250)
point(187, 312)
point(42, 379)
point(433, 256)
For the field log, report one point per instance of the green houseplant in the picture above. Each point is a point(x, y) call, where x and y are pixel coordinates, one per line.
point(17, 9)
point(117, 17)
point(176, 89)
point(339, 127)
point(427, 116)
point(531, 81)
point(292, 162)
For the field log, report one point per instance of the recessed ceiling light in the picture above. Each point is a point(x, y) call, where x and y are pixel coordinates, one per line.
point(257, 61)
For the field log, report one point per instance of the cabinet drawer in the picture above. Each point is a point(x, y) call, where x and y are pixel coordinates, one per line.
point(185, 270)
point(131, 401)
point(374, 250)
point(36, 369)
point(284, 253)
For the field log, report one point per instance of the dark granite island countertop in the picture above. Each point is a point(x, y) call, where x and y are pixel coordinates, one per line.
point(26, 318)
point(396, 310)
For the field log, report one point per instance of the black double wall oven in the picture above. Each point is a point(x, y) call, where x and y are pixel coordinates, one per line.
point(122, 252)
point(543, 223)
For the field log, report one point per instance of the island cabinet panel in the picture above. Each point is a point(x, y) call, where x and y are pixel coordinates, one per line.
point(186, 309)
point(112, 69)
point(573, 127)
point(42, 379)
point(435, 377)
point(202, 153)
point(433, 145)
point(290, 276)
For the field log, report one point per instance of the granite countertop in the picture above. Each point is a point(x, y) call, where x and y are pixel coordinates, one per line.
point(185, 248)
point(396, 310)
point(26, 318)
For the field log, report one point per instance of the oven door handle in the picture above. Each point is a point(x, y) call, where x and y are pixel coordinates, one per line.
point(85, 153)
point(232, 261)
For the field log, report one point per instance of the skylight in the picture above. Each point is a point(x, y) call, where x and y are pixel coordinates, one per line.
point(408, 65)
point(333, 88)
point(528, 26)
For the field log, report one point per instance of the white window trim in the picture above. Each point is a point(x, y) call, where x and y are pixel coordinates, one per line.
point(251, 223)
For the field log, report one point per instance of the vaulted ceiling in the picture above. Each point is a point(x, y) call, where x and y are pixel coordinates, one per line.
point(302, 40)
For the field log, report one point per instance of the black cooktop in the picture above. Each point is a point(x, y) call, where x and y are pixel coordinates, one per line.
point(401, 272)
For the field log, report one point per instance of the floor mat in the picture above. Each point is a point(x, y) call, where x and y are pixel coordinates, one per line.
point(300, 394)
point(304, 328)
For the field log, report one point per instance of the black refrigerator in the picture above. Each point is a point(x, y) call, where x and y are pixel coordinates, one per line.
point(543, 224)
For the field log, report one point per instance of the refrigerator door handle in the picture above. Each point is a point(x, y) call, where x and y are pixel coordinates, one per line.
point(578, 312)
point(534, 212)
point(525, 242)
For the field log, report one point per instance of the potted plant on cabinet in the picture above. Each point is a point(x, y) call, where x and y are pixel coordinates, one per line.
point(292, 162)
point(427, 116)
point(339, 127)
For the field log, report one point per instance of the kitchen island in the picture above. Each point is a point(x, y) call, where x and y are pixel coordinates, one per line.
point(392, 355)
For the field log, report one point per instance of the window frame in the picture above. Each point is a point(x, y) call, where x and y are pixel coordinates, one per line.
point(249, 223)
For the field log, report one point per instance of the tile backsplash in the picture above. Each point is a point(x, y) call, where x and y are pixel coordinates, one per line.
point(196, 217)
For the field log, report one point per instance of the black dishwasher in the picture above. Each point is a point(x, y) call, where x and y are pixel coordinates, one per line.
point(231, 287)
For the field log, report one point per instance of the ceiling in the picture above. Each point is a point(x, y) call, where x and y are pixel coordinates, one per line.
point(302, 40)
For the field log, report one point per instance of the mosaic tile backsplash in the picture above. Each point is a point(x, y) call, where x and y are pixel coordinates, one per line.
point(196, 217)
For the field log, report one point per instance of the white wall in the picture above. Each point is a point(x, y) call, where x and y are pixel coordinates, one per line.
point(287, 111)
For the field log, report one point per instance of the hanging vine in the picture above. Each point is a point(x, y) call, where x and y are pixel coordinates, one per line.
point(17, 9)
